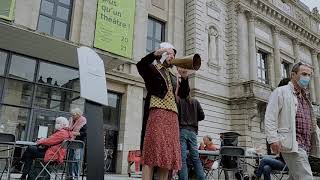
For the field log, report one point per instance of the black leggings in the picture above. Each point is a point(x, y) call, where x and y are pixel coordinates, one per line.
point(28, 156)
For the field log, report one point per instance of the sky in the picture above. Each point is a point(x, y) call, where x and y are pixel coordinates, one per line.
point(312, 3)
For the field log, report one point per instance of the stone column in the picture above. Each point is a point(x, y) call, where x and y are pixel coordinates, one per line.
point(296, 46)
point(312, 91)
point(130, 125)
point(271, 66)
point(252, 46)
point(276, 50)
point(316, 75)
point(242, 44)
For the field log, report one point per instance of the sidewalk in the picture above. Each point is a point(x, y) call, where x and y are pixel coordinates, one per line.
point(122, 177)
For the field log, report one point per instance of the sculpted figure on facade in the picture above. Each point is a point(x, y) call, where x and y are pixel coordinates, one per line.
point(213, 38)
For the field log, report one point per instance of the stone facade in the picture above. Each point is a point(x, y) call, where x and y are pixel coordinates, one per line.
point(227, 34)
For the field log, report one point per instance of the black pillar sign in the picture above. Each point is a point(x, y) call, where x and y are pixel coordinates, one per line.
point(93, 88)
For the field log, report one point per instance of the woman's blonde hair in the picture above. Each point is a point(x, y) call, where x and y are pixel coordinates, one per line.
point(208, 137)
point(76, 111)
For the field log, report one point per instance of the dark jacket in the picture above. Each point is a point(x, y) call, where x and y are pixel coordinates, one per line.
point(190, 113)
point(83, 134)
point(155, 84)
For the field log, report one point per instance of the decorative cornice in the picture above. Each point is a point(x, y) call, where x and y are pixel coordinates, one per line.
point(296, 41)
point(275, 29)
point(269, 13)
point(240, 9)
point(251, 15)
point(314, 52)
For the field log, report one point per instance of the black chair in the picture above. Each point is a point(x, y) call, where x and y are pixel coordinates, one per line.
point(230, 160)
point(7, 146)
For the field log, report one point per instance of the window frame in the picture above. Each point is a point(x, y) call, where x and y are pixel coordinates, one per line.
point(153, 37)
point(54, 17)
point(11, 10)
point(285, 67)
point(262, 56)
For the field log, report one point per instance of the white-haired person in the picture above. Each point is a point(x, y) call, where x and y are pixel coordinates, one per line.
point(78, 128)
point(47, 147)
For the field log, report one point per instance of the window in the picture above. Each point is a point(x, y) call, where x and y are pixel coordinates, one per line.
point(262, 67)
point(6, 9)
point(155, 34)
point(284, 70)
point(111, 113)
point(17, 92)
point(28, 86)
point(58, 76)
point(14, 120)
point(22, 68)
point(54, 17)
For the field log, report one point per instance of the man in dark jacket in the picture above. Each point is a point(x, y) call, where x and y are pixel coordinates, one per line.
point(190, 113)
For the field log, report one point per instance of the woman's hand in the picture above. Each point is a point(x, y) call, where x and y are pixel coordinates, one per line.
point(38, 141)
point(160, 51)
point(75, 133)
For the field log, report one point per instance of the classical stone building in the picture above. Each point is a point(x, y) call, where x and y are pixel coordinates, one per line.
point(246, 46)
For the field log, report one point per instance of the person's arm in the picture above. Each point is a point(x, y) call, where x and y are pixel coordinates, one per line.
point(81, 122)
point(271, 118)
point(201, 115)
point(56, 138)
point(143, 65)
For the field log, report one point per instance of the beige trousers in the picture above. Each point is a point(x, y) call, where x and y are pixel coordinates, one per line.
point(298, 164)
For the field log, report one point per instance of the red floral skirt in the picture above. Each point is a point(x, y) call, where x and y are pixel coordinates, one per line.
point(161, 146)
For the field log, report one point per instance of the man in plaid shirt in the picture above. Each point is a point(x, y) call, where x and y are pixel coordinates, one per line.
point(291, 126)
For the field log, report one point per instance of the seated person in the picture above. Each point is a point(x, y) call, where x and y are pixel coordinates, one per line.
point(47, 147)
point(267, 164)
point(207, 145)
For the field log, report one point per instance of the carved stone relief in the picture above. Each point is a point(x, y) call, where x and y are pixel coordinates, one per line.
point(305, 54)
point(286, 44)
point(213, 45)
point(263, 31)
point(285, 7)
point(213, 10)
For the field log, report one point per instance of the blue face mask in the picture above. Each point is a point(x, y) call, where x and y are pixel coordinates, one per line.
point(304, 81)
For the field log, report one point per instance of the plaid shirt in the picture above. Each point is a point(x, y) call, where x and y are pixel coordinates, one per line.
point(303, 121)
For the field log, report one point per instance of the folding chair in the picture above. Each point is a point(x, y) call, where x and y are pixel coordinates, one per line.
point(209, 173)
point(279, 174)
point(74, 145)
point(230, 160)
point(67, 144)
point(7, 146)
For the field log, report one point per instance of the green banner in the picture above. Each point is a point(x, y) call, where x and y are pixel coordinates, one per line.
point(114, 26)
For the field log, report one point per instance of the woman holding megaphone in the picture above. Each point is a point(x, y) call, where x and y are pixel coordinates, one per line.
point(160, 132)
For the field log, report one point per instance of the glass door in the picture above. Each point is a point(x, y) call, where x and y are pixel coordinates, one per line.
point(43, 122)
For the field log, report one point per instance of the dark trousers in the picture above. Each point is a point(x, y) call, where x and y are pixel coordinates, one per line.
point(28, 156)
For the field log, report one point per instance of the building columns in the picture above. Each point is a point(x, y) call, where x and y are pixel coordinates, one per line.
point(296, 46)
point(276, 50)
point(252, 46)
point(242, 44)
point(316, 75)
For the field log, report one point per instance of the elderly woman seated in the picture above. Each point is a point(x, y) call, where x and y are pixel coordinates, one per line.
point(47, 147)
